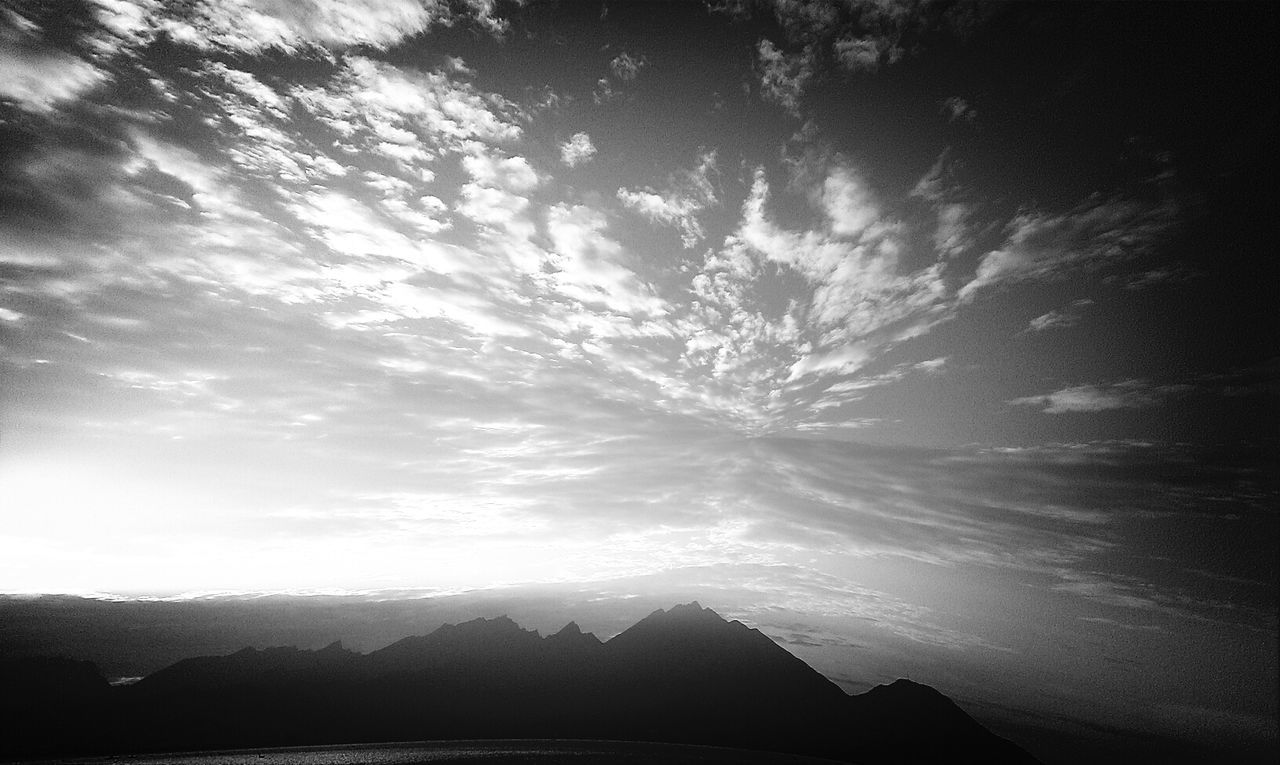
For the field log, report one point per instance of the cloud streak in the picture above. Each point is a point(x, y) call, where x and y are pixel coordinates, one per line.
point(1127, 394)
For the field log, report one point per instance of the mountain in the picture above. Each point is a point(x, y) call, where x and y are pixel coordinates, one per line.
point(40, 682)
point(909, 717)
point(49, 704)
point(683, 675)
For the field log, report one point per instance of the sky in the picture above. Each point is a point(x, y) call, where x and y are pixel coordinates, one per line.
point(924, 335)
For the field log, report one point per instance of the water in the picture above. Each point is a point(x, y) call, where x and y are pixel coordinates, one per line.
point(479, 752)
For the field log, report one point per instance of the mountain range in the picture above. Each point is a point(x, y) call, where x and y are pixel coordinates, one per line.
point(681, 675)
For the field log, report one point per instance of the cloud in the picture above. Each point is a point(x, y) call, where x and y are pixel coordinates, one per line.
point(938, 182)
point(513, 174)
point(1099, 230)
point(932, 366)
point(626, 67)
point(848, 358)
point(860, 299)
point(253, 26)
point(783, 77)
point(1171, 274)
point(848, 203)
point(940, 187)
point(856, 388)
point(864, 54)
point(36, 77)
point(604, 92)
point(39, 82)
point(687, 195)
point(588, 264)
point(866, 35)
point(372, 96)
point(957, 109)
point(1128, 394)
point(577, 150)
point(805, 19)
point(1060, 318)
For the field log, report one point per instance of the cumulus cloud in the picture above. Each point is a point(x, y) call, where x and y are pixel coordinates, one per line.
point(509, 173)
point(577, 150)
point(783, 77)
point(1128, 394)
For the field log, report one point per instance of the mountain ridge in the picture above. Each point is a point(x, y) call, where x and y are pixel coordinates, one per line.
point(680, 675)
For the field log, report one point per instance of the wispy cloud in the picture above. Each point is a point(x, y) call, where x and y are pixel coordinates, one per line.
point(40, 80)
point(679, 205)
point(626, 67)
point(783, 76)
point(1060, 318)
point(1041, 246)
point(253, 26)
point(1127, 394)
point(957, 109)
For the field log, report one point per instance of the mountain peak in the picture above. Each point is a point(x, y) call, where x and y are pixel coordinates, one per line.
point(690, 612)
point(572, 636)
point(571, 628)
point(496, 625)
point(903, 688)
point(692, 627)
point(682, 674)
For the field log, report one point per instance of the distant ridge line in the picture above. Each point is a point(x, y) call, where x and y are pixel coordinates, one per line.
point(682, 676)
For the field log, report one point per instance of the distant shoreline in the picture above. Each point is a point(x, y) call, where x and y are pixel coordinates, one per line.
point(547, 751)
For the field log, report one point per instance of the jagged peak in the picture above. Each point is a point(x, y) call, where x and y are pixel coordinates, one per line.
point(692, 610)
point(572, 634)
point(571, 628)
point(678, 619)
point(481, 622)
point(334, 647)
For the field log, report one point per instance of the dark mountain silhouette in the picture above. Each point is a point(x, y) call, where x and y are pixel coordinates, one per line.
point(683, 675)
point(45, 681)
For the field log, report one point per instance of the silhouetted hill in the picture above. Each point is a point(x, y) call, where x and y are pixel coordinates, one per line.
point(683, 675)
point(49, 704)
point(908, 717)
point(42, 681)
